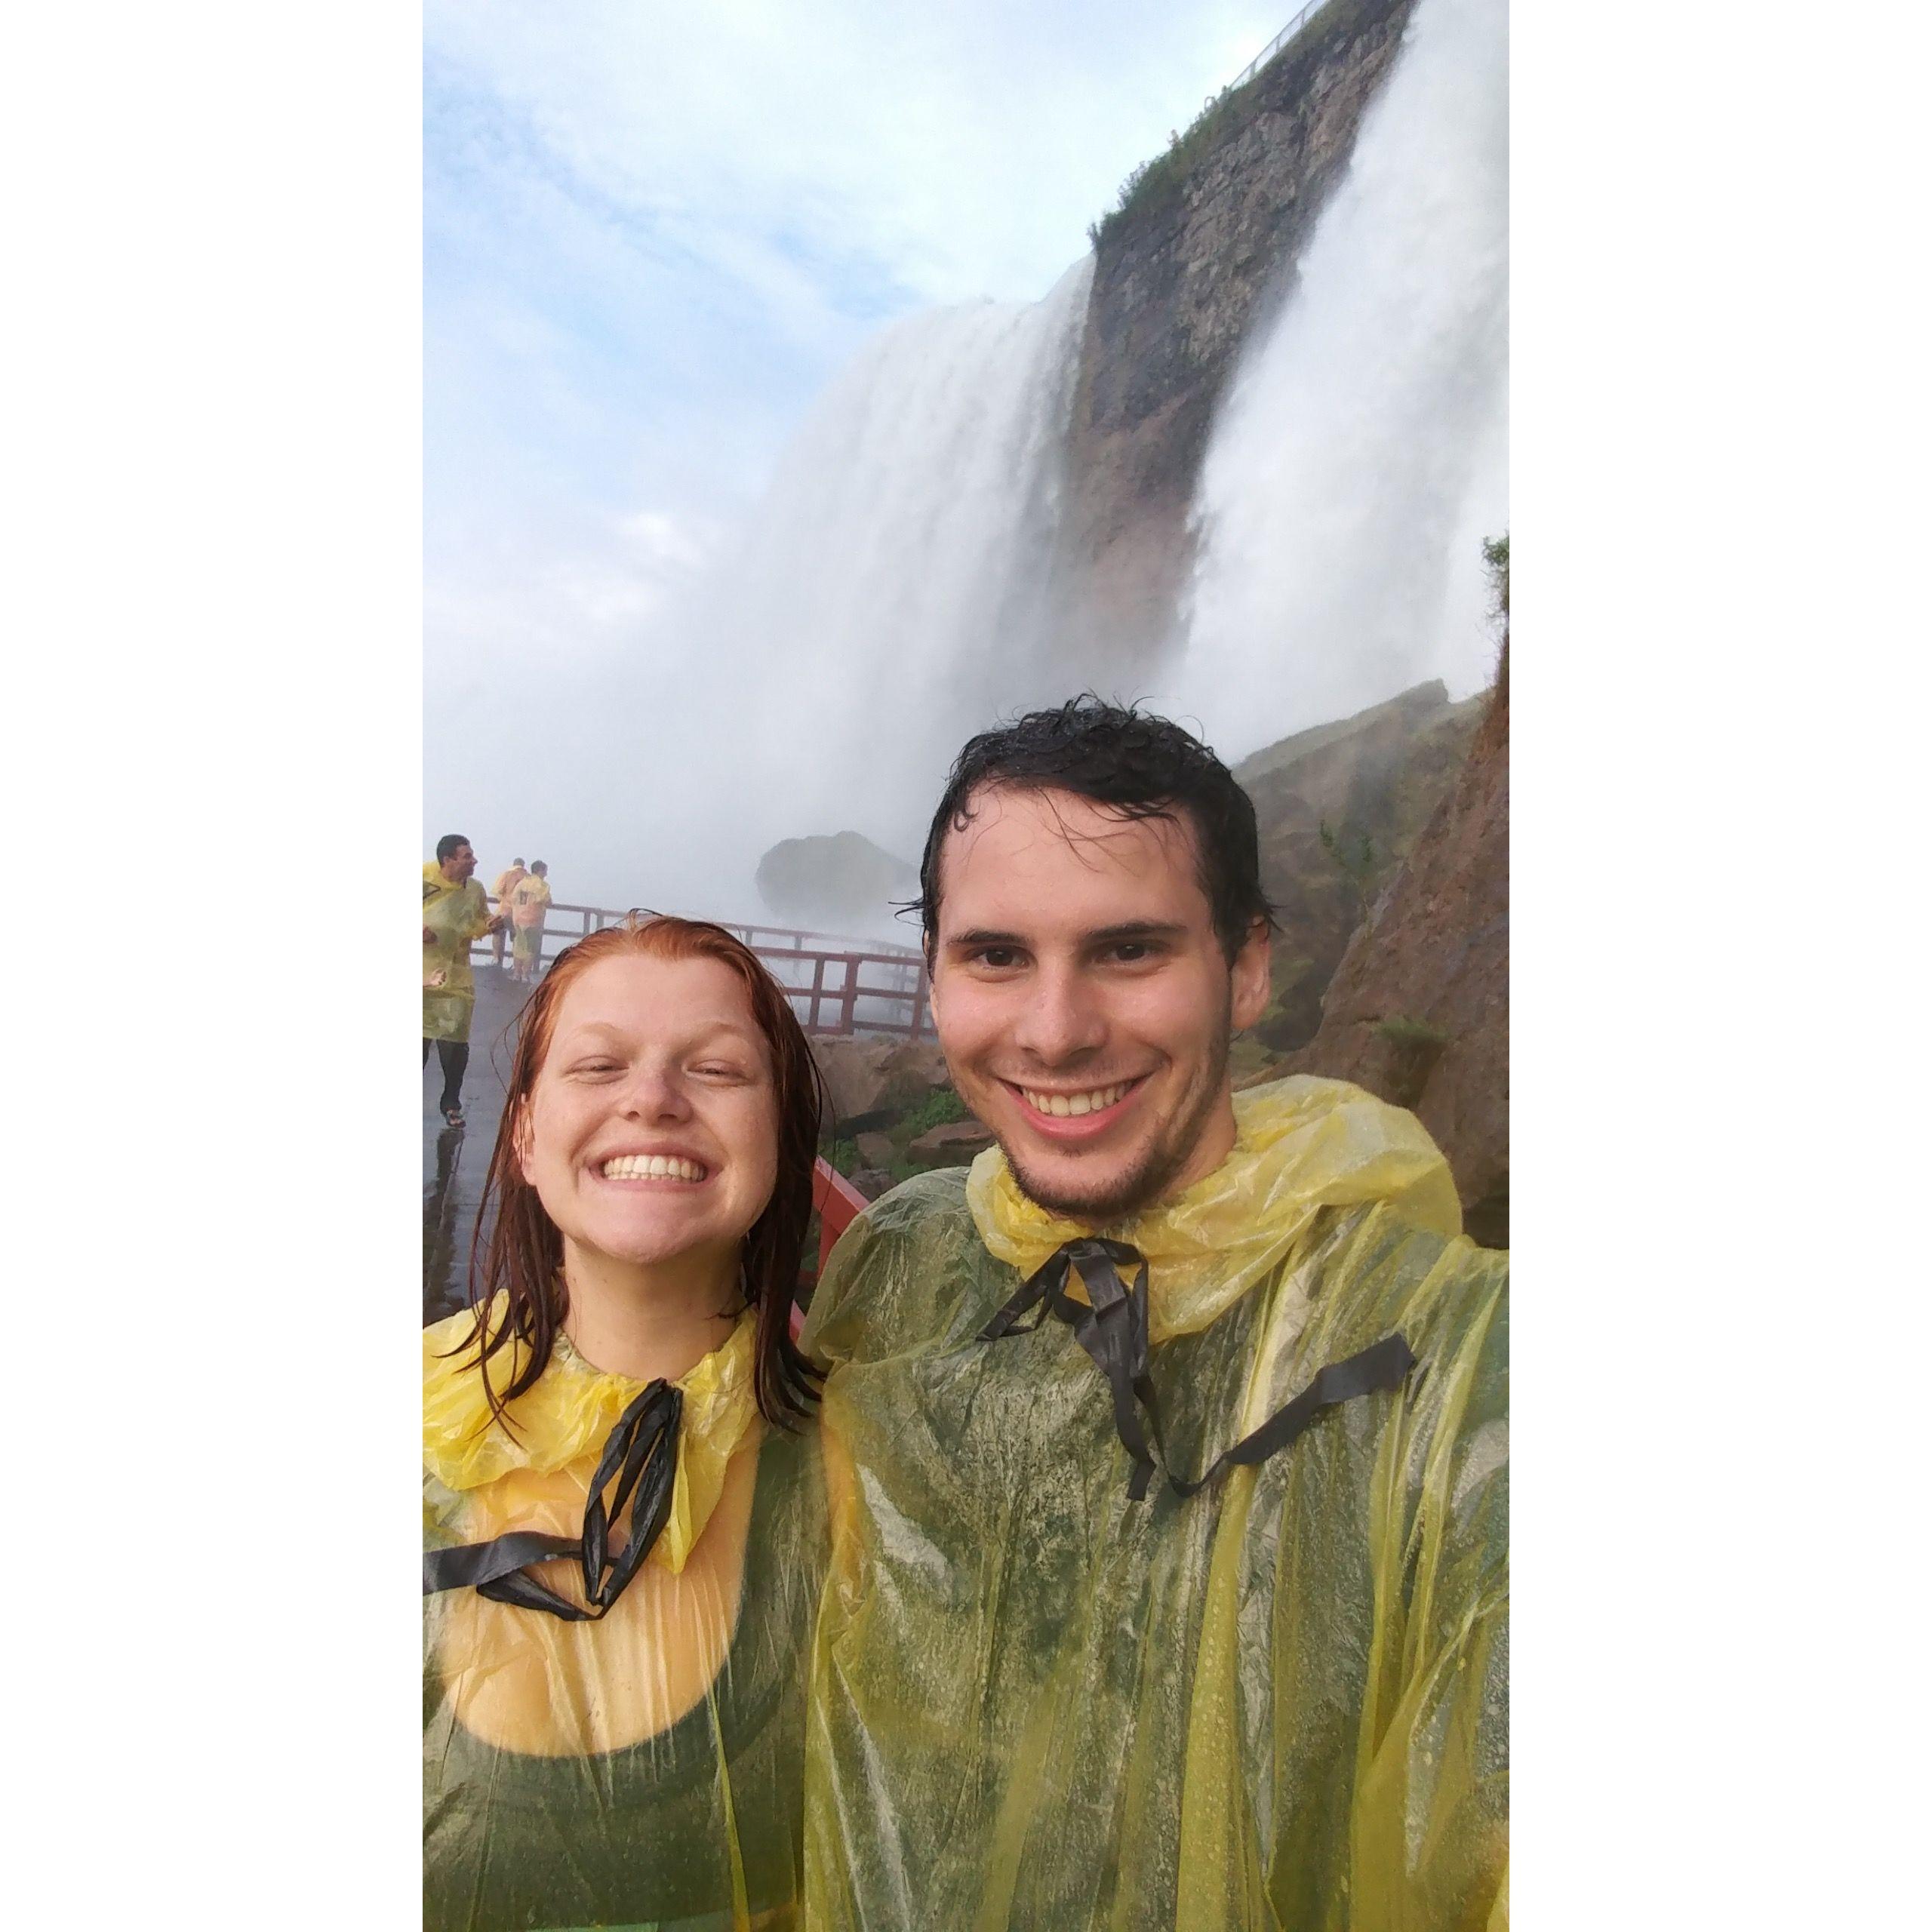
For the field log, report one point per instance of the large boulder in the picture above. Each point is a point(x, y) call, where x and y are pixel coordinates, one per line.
point(839, 883)
point(866, 1077)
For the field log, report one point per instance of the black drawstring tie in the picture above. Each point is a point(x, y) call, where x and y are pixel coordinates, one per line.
point(638, 1467)
point(1111, 1326)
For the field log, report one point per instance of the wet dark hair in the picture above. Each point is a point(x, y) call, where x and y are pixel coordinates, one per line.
point(449, 845)
point(524, 1253)
point(1136, 764)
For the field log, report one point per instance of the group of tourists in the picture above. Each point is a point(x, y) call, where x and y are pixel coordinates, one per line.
point(1121, 1542)
point(524, 893)
point(455, 913)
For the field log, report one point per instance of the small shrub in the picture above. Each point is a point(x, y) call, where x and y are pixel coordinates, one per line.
point(940, 1107)
point(1496, 556)
point(1402, 1030)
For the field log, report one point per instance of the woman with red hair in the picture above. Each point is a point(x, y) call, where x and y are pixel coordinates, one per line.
point(625, 1515)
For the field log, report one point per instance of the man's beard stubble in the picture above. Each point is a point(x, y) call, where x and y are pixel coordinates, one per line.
point(1152, 1175)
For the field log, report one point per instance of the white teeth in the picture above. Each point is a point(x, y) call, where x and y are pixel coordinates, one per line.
point(652, 1167)
point(1063, 1106)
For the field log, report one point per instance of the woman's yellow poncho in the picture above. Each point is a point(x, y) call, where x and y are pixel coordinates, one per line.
point(643, 1768)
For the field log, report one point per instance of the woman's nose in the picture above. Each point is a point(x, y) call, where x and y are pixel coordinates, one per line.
point(655, 1093)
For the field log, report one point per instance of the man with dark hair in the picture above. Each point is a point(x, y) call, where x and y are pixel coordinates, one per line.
point(454, 912)
point(1168, 1445)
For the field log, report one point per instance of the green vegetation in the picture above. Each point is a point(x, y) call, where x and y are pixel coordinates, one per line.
point(1354, 854)
point(844, 1156)
point(1402, 1030)
point(1157, 182)
point(940, 1107)
point(1496, 554)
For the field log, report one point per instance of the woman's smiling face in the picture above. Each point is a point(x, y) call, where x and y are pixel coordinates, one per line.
point(651, 1131)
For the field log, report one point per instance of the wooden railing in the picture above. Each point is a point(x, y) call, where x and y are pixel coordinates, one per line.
point(836, 984)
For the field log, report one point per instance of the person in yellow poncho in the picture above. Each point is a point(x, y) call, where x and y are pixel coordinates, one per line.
point(1166, 1449)
point(624, 1514)
point(506, 881)
point(530, 899)
point(454, 912)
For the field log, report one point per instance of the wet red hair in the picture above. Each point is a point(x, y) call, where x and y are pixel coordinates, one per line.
point(523, 1253)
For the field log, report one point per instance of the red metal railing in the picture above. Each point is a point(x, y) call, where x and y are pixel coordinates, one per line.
point(838, 984)
point(839, 1204)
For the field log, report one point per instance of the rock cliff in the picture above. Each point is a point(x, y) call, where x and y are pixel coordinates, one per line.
point(1203, 251)
point(1418, 1009)
point(1338, 808)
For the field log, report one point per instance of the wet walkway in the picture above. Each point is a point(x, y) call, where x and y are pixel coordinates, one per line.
point(455, 1159)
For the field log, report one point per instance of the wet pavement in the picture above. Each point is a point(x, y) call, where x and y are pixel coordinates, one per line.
point(455, 1159)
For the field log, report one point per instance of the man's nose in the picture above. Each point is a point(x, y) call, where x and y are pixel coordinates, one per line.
point(1060, 1018)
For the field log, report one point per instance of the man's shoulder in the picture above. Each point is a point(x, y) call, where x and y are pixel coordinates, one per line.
point(939, 1193)
point(882, 1287)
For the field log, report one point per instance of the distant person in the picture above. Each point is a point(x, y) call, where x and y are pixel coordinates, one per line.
point(529, 899)
point(624, 1511)
point(505, 884)
point(454, 912)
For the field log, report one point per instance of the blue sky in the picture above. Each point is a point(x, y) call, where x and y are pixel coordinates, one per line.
point(653, 234)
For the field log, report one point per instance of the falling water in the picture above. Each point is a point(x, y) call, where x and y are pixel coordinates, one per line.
point(1361, 454)
point(896, 578)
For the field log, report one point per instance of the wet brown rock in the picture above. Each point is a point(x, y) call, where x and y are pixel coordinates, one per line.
point(1418, 1009)
point(958, 1140)
point(862, 1076)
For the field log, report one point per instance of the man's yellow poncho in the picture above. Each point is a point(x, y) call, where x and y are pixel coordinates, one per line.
point(1280, 1703)
point(455, 914)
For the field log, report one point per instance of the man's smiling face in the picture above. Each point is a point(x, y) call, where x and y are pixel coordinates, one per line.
point(1084, 1001)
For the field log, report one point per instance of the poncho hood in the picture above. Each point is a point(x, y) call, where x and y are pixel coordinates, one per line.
point(571, 1411)
point(1301, 1145)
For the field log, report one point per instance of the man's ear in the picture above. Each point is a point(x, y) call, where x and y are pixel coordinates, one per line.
point(1251, 971)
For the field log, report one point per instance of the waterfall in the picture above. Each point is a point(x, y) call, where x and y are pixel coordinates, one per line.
point(1360, 454)
point(892, 586)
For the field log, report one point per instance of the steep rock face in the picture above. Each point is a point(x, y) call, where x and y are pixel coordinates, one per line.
point(1418, 1011)
point(1180, 278)
point(1372, 781)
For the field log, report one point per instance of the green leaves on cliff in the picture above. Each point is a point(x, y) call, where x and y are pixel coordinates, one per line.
point(1155, 183)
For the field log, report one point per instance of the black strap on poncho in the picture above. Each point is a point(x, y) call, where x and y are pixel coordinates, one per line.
point(637, 1470)
point(1111, 1326)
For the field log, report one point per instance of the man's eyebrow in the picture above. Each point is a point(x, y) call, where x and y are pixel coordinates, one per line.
point(1134, 929)
point(1128, 929)
point(985, 936)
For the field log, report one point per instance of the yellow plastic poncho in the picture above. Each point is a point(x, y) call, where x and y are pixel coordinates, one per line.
point(528, 900)
point(456, 915)
point(1280, 1702)
point(643, 1768)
